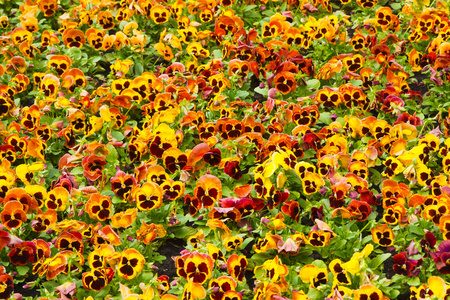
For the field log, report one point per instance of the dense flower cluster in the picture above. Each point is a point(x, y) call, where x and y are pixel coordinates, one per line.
point(300, 149)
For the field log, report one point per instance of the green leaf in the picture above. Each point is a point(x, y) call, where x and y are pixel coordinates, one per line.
point(217, 53)
point(261, 256)
point(319, 263)
point(77, 171)
point(245, 242)
point(313, 84)
point(182, 231)
point(22, 270)
point(376, 176)
point(374, 263)
point(138, 69)
point(249, 7)
point(75, 53)
point(314, 294)
point(325, 118)
point(356, 82)
point(116, 200)
point(396, 6)
point(259, 273)
point(264, 91)
point(413, 281)
point(113, 155)
point(366, 239)
point(226, 191)
point(117, 135)
point(242, 94)
point(416, 230)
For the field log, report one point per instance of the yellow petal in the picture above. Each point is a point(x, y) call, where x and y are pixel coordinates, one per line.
point(307, 272)
point(437, 285)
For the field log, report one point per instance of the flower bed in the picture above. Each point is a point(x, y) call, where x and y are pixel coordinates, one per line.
point(224, 149)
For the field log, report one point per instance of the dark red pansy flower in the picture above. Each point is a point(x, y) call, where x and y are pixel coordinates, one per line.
point(362, 209)
point(22, 253)
point(368, 197)
point(406, 266)
point(212, 157)
point(233, 170)
point(194, 204)
point(246, 206)
point(442, 257)
point(428, 243)
point(317, 213)
point(6, 284)
point(276, 197)
point(312, 140)
point(292, 209)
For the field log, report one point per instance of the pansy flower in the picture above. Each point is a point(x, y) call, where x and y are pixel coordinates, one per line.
point(73, 38)
point(394, 214)
point(172, 190)
point(99, 207)
point(233, 170)
point(49, 85)
point(70, 240)
point(4, 22)
point(93, 166)
point(31, 116)
point(48, 7)
point(159, 14)
point(22, 253)
point(274, 269)
point(124, 219)
point(275, 197)
point(436, 212)
point(161, 143)
point(149, 196)
point(44, 221)
point(195, 266)
point(130, 263)
point(13, 215)
point(49, 38)
point(59, 63)
point(72, 79)
point(174, 159)
point(212, 157)
point(368, 291)
point(57, 199)
point(149, 232)
point(192, 291)
point(319, 238)
point(122, 184)
point(20, 195)
point(136, 150)
point(106, 19)
point(393, 167)
point(406, 266)
point(314, 275)
point(6, 284)
point(208, 190)
point(223, 285)
point(97, 279)
point(236, 266)
point(383, 235)
point(233, 243)
point(339, 273)
point(312, 182)
point(194, 204)
point(229, 128)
